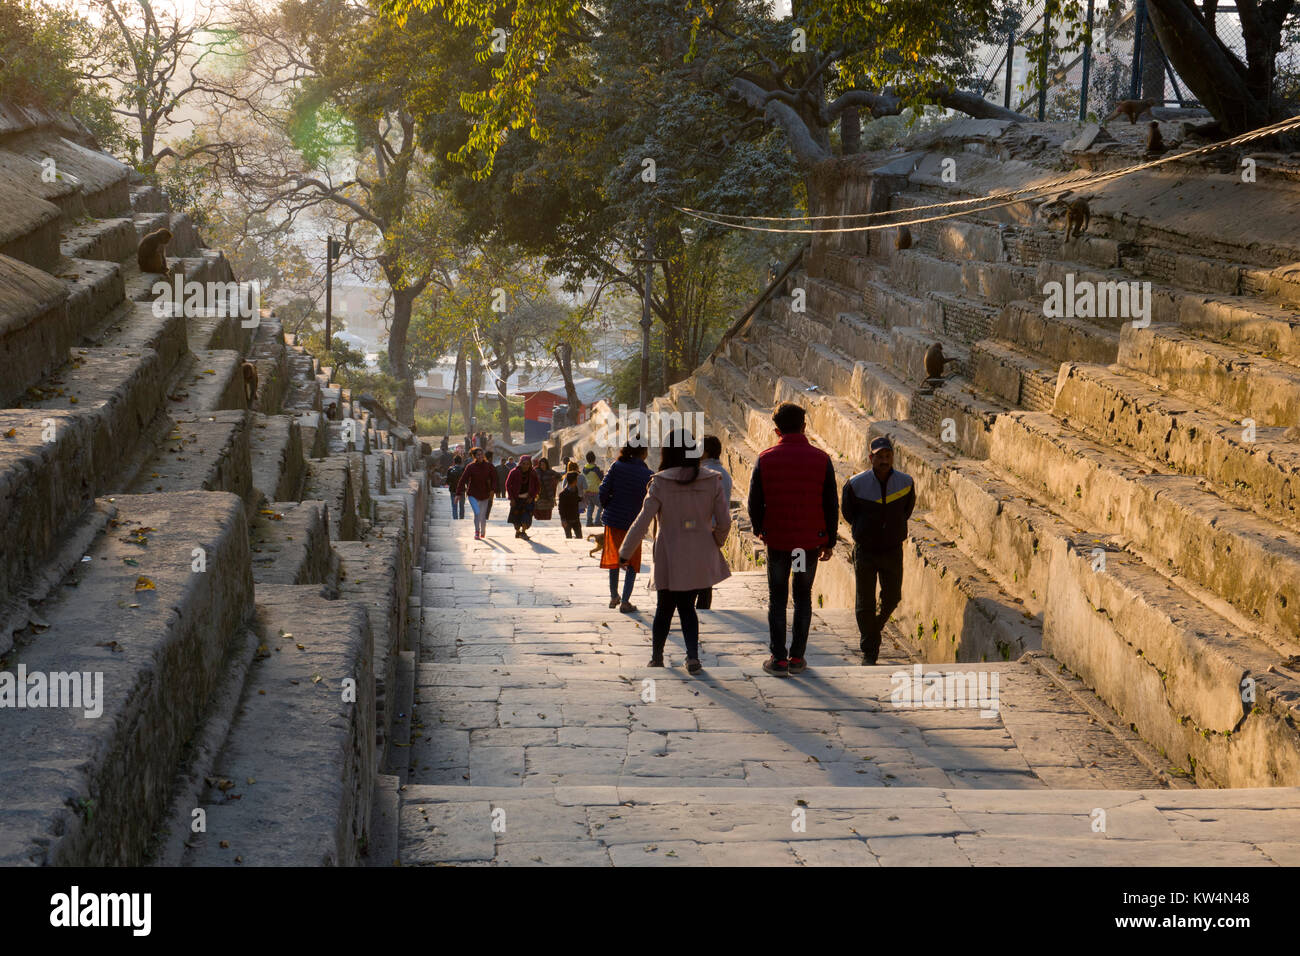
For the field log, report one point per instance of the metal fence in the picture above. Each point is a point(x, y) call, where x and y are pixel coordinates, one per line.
point(1094, 76)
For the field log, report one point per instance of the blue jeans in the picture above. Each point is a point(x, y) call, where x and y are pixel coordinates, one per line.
point(481, 510)
point(779, 566)
point(592, 500)
point(629, 580)
point(458, 506)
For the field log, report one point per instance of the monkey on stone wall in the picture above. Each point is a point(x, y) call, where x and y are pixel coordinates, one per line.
point(1132, 109)
point(250, 382)
point(152, 252)
point(1077, 218)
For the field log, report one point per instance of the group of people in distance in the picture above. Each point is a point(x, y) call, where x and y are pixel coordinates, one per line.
point(794, 507)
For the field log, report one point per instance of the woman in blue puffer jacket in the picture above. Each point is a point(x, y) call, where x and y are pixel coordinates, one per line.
point(622, 491)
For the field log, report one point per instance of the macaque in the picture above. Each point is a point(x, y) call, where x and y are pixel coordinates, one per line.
point(332, 411)
point(1132, 109)
point(1077, 218)
point(1155, 142)
point(904, 238)
point(152, 253)
point(935, 361)
point(250, 382)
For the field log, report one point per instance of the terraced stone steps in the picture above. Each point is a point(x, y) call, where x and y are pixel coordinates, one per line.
point(90, 790)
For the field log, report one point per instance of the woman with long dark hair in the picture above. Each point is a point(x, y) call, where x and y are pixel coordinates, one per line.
point(694, 518)
point(621, 493)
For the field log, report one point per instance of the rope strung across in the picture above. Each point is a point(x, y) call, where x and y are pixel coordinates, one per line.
point(994, 200)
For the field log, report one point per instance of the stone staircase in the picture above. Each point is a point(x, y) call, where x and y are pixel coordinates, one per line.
point(238, 575)
point(1119, 496)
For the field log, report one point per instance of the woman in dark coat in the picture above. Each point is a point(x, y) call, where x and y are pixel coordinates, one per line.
point(621, 492)
point(549, 478)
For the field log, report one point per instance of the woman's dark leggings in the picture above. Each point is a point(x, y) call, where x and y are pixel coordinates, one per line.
point(683, 602)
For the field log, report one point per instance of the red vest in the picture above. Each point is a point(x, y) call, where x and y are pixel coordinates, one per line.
point(793, 472)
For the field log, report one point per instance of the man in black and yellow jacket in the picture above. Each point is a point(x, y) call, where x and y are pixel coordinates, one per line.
point(877, 504)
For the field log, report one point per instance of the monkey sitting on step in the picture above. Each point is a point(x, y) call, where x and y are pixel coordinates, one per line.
point(250, 382)
point(1132, 109)
point(152, 252)
point(1155, 142)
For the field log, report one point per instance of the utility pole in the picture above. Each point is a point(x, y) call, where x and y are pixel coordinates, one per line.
point(1011, 59)
point(332, 251)
point(451, 396)
point(1047, 53)
point(1087, 67)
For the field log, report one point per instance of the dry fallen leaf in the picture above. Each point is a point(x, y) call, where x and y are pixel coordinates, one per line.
point(143, 584)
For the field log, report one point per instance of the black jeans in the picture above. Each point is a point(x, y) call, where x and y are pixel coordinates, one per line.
point(867, 566)
point(704, 601)
point(683, 602)
point(573, 529)
point(779, 565)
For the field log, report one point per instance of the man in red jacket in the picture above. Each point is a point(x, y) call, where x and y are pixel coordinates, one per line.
point(793, 507)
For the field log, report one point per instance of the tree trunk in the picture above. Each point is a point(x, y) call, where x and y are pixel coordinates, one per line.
point(1153, 66)
point(1208, 70)
point(403, 299)
point(462, 389)
point(564, 359)
point(475, 386)
point(503, 403)
point(851, 131)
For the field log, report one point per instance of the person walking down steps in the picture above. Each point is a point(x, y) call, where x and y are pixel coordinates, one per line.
point(794, 509)
point(548, 479)
point(621, 494)
point(570, 502)
point(453, 480)
point(711, 445)
point(694, 518)
point(592, 477)
point(877, 504)
point(479, 480)
point(522, 487)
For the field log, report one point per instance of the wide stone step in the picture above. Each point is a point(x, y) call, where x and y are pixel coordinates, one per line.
point(204, 454)
point(30, 231)
point(103, 181)
point(35, 333)
point(209, 380)
point(139, 325)
point(290, 543)
point(1018, 378)
point(276, 451)
point(636, 825)
point(330, 480)
point(113, 240)
point(294, 781)
point(1056, 339)
point(1255, 387)
point(151, 635)
point(1253, 468)
point(1250, 562)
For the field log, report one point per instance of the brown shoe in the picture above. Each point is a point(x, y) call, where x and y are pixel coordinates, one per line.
point(626, 608)
point(613, 602)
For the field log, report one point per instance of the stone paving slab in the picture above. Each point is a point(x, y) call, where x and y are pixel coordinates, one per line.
point(534, 703)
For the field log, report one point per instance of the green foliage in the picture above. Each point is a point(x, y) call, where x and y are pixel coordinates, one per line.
point(39, 48)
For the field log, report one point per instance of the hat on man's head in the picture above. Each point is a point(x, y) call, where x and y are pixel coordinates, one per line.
point(881, 443)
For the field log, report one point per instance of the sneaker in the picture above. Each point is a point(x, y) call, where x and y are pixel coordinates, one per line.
point(777, 668)
point(626, 608)
point(693, 666)
point(797, 665)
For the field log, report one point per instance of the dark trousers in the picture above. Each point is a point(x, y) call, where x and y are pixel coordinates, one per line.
point(573, 529)
point(521, 515)
point(779, 565)
point(683, 602)
point(867, 566)
point(704, 599)
point(458, 506)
